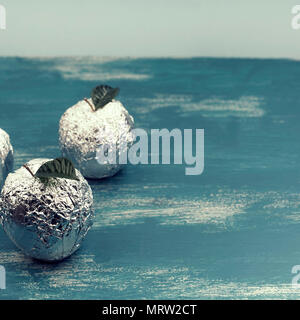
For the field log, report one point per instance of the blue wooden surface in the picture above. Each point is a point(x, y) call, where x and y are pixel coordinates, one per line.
point(232, 232)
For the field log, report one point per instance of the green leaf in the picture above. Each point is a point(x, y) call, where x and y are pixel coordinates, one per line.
point(103, 94)
point(58, 168)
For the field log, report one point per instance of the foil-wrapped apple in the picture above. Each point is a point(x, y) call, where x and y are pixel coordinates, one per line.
point(95, 124)
point(47, 208)
point(6, 156)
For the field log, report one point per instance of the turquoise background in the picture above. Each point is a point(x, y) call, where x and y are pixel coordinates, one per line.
point(232, 232)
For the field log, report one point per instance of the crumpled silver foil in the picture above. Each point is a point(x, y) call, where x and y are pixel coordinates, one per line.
point(6, 156)
point(47, 222)
point(83, 132)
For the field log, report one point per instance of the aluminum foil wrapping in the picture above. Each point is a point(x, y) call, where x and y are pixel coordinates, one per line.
point(83, 132)
point(6, 156)
point(47, 222)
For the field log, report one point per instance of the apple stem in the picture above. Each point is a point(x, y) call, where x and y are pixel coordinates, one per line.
point(28, 169)
point(87, 101)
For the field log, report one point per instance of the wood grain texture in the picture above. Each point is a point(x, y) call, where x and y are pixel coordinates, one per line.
point(232, 232)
